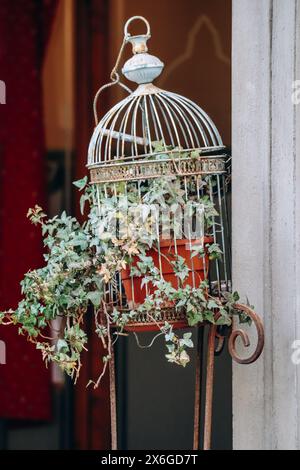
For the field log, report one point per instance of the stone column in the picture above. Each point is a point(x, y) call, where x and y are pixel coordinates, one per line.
point(266, 216)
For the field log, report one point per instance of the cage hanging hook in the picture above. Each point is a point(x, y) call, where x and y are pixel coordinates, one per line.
point(114, 75)
point(133, 18)
point(115, 79)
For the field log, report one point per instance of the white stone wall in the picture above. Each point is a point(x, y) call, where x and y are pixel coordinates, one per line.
point(266, 216)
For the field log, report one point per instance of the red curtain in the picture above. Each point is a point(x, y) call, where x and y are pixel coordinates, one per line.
point(24, 29)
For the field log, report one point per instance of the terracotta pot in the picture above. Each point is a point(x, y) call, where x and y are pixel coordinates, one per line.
point(198, 264)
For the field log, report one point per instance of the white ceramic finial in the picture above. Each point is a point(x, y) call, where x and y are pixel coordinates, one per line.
point(142, 67)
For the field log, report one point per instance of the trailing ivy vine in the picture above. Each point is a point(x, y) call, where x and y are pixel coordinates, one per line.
point(81, 259)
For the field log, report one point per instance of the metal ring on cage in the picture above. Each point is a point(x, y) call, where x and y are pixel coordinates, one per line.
point(127, 34)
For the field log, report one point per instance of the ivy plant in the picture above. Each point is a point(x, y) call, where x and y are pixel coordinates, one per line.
point(81, 259)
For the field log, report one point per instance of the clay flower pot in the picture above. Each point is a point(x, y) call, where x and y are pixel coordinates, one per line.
point(136, 294)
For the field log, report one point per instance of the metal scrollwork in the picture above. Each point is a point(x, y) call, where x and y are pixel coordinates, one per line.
point(238, 333)
point(154, 169)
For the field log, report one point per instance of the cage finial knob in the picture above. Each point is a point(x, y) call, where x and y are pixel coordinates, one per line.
point(142, 67)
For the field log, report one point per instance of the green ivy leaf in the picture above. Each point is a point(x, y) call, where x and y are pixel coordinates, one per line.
point(62, 346)
point(81, 184)
point(95, 297)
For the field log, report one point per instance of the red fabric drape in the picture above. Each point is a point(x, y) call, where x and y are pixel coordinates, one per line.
point(24, 28)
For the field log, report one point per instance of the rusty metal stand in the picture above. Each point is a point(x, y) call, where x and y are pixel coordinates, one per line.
point(113, 401)
point(198, 389)
point(214, 346)
point(209, 386)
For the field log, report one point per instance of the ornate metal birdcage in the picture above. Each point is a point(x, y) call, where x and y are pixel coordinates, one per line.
point(152, 134)
point(160, 143)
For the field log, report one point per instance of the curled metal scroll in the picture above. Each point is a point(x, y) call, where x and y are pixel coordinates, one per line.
point(238, 333)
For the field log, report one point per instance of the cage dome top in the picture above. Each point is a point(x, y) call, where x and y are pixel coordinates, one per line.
point(152, 132)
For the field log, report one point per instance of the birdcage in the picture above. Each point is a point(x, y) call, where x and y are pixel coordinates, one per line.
point(159, 143)
point(156, 134)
